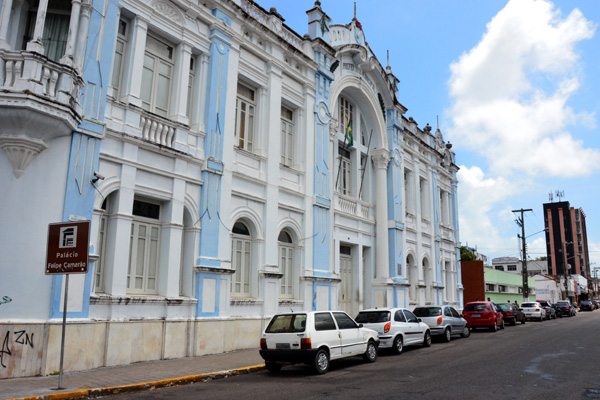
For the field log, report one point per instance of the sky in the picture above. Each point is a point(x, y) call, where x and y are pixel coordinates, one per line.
point(516, 87)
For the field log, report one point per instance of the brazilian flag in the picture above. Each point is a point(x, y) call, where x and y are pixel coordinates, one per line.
point(349, 136)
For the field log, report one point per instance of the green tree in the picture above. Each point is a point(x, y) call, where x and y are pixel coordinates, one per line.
point(466, 254)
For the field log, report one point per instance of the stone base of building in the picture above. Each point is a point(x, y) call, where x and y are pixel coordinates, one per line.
point(33, 349)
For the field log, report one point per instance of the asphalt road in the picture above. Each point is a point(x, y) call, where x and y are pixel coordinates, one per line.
point(557, 359)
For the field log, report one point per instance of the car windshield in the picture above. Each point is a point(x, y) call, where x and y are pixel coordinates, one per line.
point(287, 323)
point(528, 305)
point(371, 317)
point(427, 311)
point(504, 307)
point(476, 307)
point(586, 302)
point(562, 303)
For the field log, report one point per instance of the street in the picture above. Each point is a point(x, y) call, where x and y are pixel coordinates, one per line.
point(538, 360)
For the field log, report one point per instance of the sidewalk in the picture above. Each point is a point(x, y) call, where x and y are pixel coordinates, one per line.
point(133, 377)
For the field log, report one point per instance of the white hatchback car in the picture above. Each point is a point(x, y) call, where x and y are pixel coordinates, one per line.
point(533, 310)
point(315, 338)
point(397, 327)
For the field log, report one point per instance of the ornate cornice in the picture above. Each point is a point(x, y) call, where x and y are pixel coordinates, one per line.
point(381, 158)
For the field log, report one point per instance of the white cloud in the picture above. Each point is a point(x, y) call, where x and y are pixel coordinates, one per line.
point(511, 93)
point(594, 252)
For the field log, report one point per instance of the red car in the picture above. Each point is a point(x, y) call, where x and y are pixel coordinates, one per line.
point(483, 314)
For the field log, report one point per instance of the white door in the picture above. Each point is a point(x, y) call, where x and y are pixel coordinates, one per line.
point(346, 298)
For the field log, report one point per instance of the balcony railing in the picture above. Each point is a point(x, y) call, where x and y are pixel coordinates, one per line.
point(354, 207)
point(156, 130)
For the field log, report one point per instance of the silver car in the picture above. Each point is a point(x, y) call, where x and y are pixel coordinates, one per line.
point(533, 310)
point(397, 327)
point(443, 321)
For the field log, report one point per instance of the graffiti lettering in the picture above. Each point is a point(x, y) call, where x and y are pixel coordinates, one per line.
point(5, 300)
point(20, 337)
point(25, 341)
point(5, 349)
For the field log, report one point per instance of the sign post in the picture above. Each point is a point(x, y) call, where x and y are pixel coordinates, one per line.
point(67, 253)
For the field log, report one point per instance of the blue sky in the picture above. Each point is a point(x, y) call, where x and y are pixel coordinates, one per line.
point(516, 86)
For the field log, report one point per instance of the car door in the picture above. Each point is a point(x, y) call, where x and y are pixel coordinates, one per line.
point(327, 334)
point(414, 332)
point(458, 324)
point(350, 335)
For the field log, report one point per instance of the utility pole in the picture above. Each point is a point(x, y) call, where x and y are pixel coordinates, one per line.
point(521, 222)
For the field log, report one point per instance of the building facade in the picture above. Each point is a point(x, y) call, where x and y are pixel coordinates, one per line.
point(566, 240)
point(231, 169)
point(514, 265)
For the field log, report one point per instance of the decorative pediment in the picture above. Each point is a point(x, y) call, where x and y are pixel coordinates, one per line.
point(167, 10)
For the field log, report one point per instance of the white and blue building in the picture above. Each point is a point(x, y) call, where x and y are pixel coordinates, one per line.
point(206, 143)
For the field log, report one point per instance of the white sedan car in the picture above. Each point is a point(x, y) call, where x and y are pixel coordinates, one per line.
point(315, 338)
point(533, 311)
point(397, 327)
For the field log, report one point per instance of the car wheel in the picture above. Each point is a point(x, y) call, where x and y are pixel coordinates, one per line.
point(494, 327)
point(514, 322)
point(502, 326)
point(427, 339)
point(371, 353)
point(321, 361)
point(397, 347)
point(447, 335)
point(523, 321)
point(466, 332)
point(273, 366)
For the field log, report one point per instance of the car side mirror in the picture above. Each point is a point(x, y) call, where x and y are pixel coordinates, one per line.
point(419, 320)
point(360, 325)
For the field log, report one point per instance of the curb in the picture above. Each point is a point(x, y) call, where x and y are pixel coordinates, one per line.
point(140, 387)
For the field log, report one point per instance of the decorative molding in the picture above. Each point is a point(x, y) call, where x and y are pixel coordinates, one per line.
point(20, 150)
point(381, 158)
point(168, 11)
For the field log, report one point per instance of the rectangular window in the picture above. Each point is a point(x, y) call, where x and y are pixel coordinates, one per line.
point(502, 288)
point(512, 268)
point(344, 180)
point(143, 258)
point(345, 114)
point(56, 29)
point(188, 108)
point(242, 263)
point(489, 287)
point(409, 191)
point(286, 266)
point(287, 137)
point(424, 197)
point(156, 76)
point(101, 251)
point(117, 71)
point(500, 267)
point(245, 110)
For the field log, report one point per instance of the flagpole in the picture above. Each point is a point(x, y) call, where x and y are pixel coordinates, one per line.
point(339, 167)
point(362, 179)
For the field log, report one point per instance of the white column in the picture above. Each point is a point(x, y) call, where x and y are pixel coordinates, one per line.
point(381, 159)
point(198, 95)
point(82, 31)
point(73, 33)
point(132, 74)
point(4, 22)
point(35, 44)
point(179, 89)
point(171, 239)
point(272, 142)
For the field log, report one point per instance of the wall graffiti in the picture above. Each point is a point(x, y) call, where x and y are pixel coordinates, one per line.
point(5, 300)
point(19, 337)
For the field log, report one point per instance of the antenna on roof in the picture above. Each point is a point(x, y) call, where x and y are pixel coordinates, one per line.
point(388, 58)
point(438, 121)
point(354, 10)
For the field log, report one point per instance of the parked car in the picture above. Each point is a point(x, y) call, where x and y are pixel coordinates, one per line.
point(443, 321)
point(534, 310)
point(483, 314)
point(565, 308)
point(511, 313)
point(549, 308)
point(315, 338)
point(586, 305)
point(397, 327)
point(595, 303)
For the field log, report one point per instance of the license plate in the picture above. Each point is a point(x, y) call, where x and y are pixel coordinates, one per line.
point(529, 315)
point(476, 315)
point(282, 346)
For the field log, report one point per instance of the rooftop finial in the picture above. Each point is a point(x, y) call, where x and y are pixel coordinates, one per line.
point(354, 10)
point(388, 58)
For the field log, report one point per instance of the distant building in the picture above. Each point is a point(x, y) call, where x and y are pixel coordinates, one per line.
point(481, 282)
point(515, 266)
point(566, 239)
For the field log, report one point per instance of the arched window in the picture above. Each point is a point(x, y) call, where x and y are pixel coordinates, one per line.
point(241, 260)
point(286, 264)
